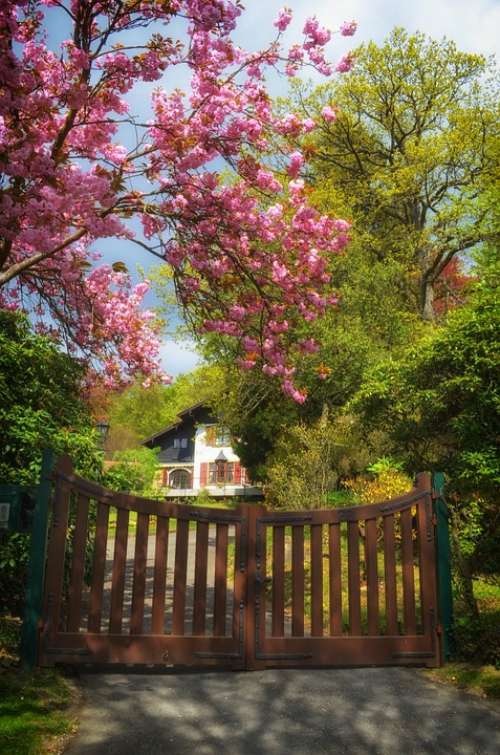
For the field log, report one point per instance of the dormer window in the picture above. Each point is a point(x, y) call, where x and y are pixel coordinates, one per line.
point(219, 436)
point(180, 442)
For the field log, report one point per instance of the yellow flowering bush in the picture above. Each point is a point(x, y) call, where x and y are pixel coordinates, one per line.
point(388, 482)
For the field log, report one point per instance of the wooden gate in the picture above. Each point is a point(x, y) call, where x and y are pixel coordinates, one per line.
point(136, 581)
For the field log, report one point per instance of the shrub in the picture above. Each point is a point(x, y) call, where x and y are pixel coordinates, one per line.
point(389, 481)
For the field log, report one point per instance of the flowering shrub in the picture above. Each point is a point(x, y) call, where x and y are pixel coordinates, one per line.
point(389, 481)
point(250, 255)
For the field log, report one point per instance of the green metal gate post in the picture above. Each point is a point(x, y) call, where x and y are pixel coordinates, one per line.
point(36, 567)
point(445, 596)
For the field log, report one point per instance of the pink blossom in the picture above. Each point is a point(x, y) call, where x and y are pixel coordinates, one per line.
point(295, 164)
point(345, 63)
point(328, 113)
point(348, 28)
point(283, 19)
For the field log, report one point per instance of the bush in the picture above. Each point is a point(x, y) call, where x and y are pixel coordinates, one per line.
point(389, 482)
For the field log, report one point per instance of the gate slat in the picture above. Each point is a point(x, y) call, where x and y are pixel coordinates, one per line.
point(316, 580)
point(160, 575)
point(118, 576)
point(200, 578)
point(180, 573)
point(297, 581)
point(353, 578)
point(408, 576)
point(99, 563)
point(220, 584)
point(139, 584)
point(372, 576)
point(335, 580)
point(391, 600)
point(78, 564)
point(278, 624)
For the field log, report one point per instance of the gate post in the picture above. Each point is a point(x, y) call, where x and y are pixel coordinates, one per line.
point(36, 565)
point(445, 595)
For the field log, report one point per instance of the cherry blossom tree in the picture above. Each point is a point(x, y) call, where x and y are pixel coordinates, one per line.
point(250, 255)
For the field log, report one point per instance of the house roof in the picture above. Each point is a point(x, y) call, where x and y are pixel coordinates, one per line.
point(178, 421)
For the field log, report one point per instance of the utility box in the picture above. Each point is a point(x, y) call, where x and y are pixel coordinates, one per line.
point(16, 507)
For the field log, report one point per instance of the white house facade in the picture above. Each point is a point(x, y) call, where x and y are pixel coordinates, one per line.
point(196, 454)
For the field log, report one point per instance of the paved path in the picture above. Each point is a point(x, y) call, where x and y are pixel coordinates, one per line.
point(285, 712)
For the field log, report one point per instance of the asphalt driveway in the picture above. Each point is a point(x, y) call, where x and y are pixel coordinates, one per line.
point(375, 710)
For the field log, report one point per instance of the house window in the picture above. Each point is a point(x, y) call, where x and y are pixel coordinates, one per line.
point(220, 472)
point(180, 442)
point(180, 478)
point(222, 436)
point(217, 435)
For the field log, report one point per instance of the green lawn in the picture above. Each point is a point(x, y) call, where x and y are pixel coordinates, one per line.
point(36, 709)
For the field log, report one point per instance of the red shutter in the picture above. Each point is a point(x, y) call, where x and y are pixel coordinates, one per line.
point(203, 473)
point(164, 477)
point(237, 473)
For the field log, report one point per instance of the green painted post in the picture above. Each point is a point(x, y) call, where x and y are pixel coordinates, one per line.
point(36, 567)
point(443, 565)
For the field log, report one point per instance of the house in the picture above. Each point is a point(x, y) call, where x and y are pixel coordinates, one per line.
point(195, 454)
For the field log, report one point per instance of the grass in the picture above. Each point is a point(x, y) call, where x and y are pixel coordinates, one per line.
point(473, 677)
point(36, 708)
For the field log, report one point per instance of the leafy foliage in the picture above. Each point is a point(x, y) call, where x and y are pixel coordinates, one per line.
point(409, 158)
point(132, 471)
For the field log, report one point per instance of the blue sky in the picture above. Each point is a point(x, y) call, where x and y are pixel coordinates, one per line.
point(473, 24)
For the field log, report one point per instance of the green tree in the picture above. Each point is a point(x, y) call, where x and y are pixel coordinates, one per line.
point(39, 407)
point(439, 405)
point(408, 157)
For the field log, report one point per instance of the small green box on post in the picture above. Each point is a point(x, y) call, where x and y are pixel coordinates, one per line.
point(16, 502)
point(445, 595)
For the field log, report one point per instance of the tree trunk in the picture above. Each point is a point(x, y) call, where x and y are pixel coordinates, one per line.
point(427, 299)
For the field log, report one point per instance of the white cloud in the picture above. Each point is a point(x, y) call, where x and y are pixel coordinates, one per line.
point(179, 356)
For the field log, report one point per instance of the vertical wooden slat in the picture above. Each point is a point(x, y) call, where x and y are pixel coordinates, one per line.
point(353, 579)
point(160, 575)
point(335, 580)
point(237, 595)
point(391, 601)
point(78, 563)
point(200, 578)
point(372, 575)
point(297, 581)
point(220, 583)
point(56, 552)
point(98, 566)
point(278, 623)
point(118, 575)
point(316, 580)
point(408, 580)
point(181, 553)
point(139, 584)
point(262, 572)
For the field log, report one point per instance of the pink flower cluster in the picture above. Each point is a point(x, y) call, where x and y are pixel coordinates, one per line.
point(250, 255)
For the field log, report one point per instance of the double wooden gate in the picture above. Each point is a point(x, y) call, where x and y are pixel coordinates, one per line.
point(136, 581)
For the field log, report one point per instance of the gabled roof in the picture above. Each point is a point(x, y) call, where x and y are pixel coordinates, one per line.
point(178, 421)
